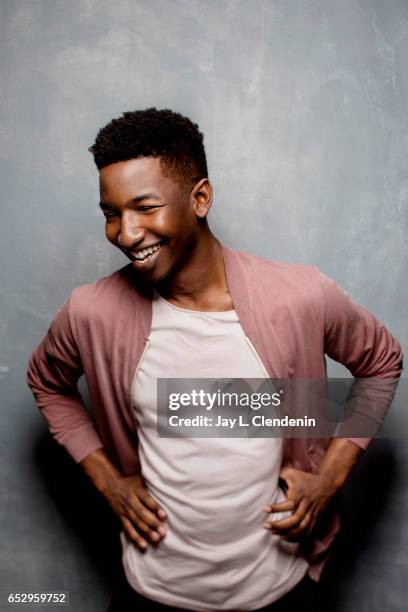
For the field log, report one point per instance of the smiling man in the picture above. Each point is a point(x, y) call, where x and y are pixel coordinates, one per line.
point(192, 510)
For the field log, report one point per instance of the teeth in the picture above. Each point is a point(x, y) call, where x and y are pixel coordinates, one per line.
point(143, 253)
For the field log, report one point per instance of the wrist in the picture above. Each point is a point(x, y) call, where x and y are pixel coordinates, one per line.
point(333, 478)
point(338, 462)
point(106, 482)
point(99, 468)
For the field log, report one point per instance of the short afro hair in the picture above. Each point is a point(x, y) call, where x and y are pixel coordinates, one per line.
point(154, 133)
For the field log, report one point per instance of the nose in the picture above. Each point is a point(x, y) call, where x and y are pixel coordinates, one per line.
point(131, 233)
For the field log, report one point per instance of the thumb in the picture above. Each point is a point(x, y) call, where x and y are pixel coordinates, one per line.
point(285, 474)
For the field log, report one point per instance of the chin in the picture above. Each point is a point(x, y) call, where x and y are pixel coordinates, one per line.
point(151, 276)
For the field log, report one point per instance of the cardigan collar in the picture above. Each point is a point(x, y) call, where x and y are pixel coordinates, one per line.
point(237, 286)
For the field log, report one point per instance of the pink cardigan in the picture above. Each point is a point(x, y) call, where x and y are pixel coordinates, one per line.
point(292, 314)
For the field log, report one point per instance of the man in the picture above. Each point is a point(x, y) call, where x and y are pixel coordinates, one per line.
point(193, 510)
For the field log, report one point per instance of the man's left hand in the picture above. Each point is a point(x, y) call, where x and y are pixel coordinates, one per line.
point(307, 496)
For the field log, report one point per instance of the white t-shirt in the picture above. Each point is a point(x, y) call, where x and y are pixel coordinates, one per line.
point(216, 555)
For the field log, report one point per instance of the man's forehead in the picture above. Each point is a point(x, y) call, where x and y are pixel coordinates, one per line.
point(131, 170)
point(136, 175)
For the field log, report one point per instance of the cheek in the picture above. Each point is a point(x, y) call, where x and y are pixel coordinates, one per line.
point(166, 224)
point(179, 224)
point(111, 232)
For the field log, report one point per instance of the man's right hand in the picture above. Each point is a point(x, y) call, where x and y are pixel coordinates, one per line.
point(141, 516)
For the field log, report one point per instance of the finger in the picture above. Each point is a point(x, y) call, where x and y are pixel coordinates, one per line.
point(287, 505)
point(133, 534)
point(153, 536)
point(136, 506)
point(284, 525)
point(152, 504)
point(301, 531)
point(137, 519)
point(290, 503)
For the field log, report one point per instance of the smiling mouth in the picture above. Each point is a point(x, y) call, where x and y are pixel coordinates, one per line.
point(144, 254)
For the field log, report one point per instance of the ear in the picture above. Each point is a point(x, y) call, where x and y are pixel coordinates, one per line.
point(201, 196)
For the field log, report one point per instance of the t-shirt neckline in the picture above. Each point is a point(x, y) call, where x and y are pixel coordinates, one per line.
point(227, 313)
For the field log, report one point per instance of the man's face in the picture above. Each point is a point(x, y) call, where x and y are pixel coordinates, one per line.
point(148, 216)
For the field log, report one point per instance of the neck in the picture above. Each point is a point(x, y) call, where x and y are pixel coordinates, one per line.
point(201, 283)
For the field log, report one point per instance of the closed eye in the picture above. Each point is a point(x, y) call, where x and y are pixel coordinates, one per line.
point(144, 208)
point(114, 213)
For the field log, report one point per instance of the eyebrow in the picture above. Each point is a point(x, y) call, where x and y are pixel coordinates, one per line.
point(135, 200)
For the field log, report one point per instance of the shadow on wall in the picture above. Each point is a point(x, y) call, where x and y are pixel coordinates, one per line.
point(364, 503)
point(85, 512)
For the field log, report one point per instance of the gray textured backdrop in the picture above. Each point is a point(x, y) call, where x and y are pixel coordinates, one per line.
point(304, 108)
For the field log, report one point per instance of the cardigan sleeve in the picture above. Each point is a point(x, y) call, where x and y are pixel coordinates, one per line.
point(53, 372)
point(355, 338)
